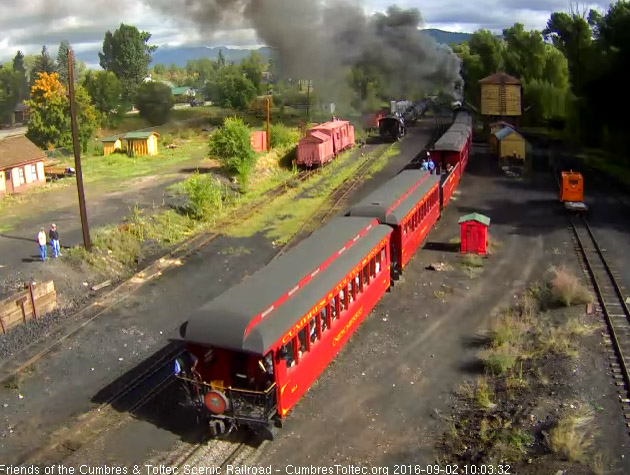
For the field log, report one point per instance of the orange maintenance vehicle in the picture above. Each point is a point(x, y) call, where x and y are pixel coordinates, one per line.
point(572, 191)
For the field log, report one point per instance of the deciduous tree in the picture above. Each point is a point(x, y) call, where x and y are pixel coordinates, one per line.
point(155, 102)
point(127, 54)
point(104, 89)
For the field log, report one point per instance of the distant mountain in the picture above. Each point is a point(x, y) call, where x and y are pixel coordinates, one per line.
point(181, 55)
point(447, 37)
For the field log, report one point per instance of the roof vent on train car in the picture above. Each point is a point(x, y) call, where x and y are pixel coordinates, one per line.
point(377, 203)
point(182, 329)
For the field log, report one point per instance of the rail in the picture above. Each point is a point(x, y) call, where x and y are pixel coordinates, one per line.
point(608, 292)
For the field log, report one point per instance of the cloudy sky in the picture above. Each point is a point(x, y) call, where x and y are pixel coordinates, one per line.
point(28, 24)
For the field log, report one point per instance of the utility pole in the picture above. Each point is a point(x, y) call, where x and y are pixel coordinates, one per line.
point(268, 124)
point(308, 101)
point(77, 153)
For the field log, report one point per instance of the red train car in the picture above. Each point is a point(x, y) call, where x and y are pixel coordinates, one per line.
point(260, 345)
point(316, 151)
point(410, 204)
point(452, 148)
point(449, 182)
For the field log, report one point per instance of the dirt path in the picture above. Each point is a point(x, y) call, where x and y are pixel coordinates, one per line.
point(76, 377)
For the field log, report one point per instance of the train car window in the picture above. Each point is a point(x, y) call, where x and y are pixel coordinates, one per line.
point(383, 256)
point(344, 298)
point(573, 182)
point(356, 286)
point(288, 354)
point(366, 275)
point(328, 316)
point(373, 267)
point(350, 290)
point(303, 343)
point(312, 330)
point(337, 309)
point(318, 325)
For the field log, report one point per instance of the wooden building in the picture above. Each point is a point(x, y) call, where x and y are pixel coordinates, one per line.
point(141, 143)
point(21, 165)
point(501, 97)
point(112, 144)
point(474, 234)
point(507, 142)
point(21, 113)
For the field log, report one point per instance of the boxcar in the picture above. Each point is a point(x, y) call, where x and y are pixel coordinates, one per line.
point(324, 142)
point(260, 345)
point(315, 149)
point(409, 203)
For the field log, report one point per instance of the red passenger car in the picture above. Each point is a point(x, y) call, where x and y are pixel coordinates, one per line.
point(316, 152)
point(410, 204)
point(260, 345)
point(450, 180)
point(451, 148)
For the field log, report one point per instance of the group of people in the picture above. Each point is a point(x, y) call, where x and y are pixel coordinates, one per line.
point(53, 234)
point(428, 164)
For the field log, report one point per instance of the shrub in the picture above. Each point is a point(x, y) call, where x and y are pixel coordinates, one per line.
point(569, 437)
point(204, 196)
point(282, 136)
point(155, 102)
point(566, 288)
point(231, 146)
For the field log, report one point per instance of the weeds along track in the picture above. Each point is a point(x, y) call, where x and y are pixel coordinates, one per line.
point(612, 306)
point(335, 200)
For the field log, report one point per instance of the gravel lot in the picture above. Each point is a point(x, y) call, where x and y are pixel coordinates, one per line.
point(127, 334)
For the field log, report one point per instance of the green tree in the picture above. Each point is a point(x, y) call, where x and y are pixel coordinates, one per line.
point(489, 48)
point(524, 54)
point(49, 126)
point(221, 60)
point(159, 69)
point(231, 145)
point(19, 67)
point(253, 66)
point(9, 92)
point(62, 63)
point(127, 54)
point(104, 89)
point(232, 88)
point(155, 102)
point(43, 64)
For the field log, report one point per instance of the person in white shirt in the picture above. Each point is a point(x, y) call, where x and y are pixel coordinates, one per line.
point(41, 241)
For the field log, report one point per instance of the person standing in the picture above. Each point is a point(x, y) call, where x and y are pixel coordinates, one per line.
point(431, 165)
point(53, 234)
point(424, 166)
point(41, 240)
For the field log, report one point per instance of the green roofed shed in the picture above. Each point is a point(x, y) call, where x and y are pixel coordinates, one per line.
point(474, 233)
point(112, 144)
point(480, 218)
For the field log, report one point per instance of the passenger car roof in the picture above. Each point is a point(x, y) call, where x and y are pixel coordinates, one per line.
point(451, 141)
point(254, 314)
point(392, 201)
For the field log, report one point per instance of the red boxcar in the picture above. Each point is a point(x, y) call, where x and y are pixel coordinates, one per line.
point(340, 133)
point(258, 140)
point(315, 149)
point(410, 204)
point(260, 345)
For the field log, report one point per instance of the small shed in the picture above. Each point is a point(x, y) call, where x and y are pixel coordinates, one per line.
point(507, 142)
point(112, 144)
point(141, 143)
point(474, 233)
point(258, 140)
point(21, 113)
point(498, 125)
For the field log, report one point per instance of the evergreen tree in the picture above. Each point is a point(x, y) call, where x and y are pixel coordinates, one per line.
point(62, 63)
point(43, 64)
point(19, 68)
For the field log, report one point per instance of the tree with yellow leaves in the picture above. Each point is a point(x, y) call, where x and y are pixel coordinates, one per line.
point(49, 126)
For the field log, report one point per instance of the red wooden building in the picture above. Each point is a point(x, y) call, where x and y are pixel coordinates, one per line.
point(21, 165)
point(474, 233)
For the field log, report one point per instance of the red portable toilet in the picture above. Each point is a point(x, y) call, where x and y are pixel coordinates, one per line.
point(474, 233)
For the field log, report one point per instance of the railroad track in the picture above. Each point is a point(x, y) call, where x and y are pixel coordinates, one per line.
point(337, 197)
point(612, 305)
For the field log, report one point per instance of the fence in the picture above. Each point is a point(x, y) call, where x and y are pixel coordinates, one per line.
point(29, 304)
